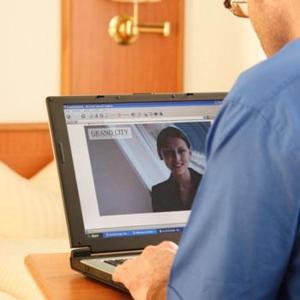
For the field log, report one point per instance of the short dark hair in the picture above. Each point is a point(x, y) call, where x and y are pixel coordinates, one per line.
point(170, 132)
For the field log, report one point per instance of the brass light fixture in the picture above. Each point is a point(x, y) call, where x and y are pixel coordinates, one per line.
point(125, 30)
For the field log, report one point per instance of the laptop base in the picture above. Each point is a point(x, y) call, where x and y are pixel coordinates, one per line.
point(79, 262)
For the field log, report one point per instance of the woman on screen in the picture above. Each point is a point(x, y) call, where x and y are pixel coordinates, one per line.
point(178, 191)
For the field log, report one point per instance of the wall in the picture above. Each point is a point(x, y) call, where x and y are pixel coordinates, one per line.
point(218, 47)
point(29, 58)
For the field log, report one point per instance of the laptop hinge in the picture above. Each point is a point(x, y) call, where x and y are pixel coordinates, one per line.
point(81, 252)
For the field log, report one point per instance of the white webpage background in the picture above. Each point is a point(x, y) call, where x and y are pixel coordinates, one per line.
point(88, 199)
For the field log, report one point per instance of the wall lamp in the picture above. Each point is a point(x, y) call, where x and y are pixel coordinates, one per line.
point(125, 29)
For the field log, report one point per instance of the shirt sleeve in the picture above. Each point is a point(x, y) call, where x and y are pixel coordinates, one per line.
point(242, 228)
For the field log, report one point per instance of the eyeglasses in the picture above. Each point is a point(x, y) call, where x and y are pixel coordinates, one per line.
point(238, 7)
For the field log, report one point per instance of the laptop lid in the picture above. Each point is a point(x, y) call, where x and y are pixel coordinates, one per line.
point(110, 167)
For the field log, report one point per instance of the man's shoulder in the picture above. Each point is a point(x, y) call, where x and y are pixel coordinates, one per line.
point(264, 102)
point(264, 81)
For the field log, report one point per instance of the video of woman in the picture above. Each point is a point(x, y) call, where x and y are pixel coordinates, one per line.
point(146, 168)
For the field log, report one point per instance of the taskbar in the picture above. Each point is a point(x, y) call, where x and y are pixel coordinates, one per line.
point(130, 233)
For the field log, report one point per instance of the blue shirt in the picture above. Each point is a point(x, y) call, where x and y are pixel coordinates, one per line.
point(242, 240)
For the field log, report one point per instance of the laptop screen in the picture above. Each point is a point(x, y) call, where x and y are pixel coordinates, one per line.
point(138, 165)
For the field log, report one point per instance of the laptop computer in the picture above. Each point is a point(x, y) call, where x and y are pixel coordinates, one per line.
point(106, 152)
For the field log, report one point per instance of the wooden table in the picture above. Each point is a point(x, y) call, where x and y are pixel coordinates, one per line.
point(57, 280)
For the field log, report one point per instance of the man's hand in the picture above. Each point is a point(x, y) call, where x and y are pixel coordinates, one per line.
point(147, 275)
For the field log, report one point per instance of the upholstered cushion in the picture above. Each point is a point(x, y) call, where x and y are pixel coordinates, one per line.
point(5, 296)
point(15, 279)
point(47, 179)
point(31, 208)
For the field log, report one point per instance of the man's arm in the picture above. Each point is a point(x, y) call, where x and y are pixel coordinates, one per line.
point(147, 275)
point(243, 224)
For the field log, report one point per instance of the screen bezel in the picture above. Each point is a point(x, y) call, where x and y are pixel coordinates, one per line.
point(62, 151)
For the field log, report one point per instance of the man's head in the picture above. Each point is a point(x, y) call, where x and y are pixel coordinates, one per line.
point(276, 22)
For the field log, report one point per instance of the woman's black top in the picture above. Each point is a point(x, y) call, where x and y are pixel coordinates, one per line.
point(165, 195)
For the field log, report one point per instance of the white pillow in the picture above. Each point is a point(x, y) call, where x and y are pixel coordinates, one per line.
point(5, 296)
point(27, 210)
point(15, 278)
point(47, 179)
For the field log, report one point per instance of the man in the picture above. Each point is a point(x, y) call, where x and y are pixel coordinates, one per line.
point(242, 240)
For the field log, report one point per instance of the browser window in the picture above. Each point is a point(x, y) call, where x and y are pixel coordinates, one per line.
point(121, 175)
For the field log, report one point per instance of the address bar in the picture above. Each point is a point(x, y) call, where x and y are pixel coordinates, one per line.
point(146, 120)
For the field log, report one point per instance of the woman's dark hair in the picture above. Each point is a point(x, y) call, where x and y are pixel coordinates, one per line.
point(170, 132)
